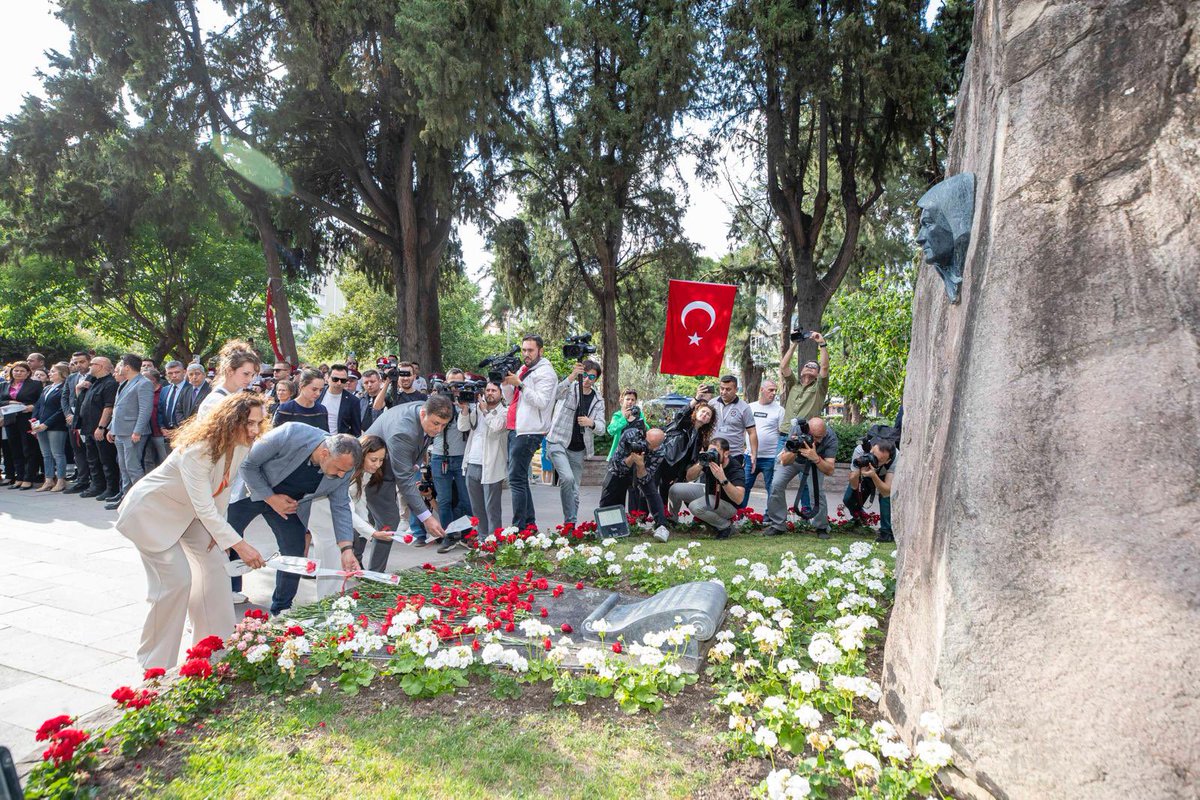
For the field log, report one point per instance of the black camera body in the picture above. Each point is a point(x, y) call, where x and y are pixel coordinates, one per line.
point(578, 347)
point(799, 335)
point(798, 440)
point(501, 364)
point(425, 485)
point(635, 441)
point(466, 391)
point(386, 368)
point(866, 459)
point(708, 457)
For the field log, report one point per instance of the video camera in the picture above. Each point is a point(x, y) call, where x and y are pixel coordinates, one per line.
point(578, 347)
point(458, 391)
point(502, 364)
point(798, 440)
point(425, 485)
point(387, 368)
point(799, 335)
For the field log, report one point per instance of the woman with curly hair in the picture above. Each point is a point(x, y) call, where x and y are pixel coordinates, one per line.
point(176, 518)
point(237, 366)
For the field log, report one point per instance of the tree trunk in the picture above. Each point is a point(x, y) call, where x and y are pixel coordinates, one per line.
point(269, 237)
point(752, 373)
point(810, 304)
point(609, 345)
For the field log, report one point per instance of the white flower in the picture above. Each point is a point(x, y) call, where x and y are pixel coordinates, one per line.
point(783, 785)
point(492, 653)
point(822, 650)
point(809, 717)
point(722, 650)
point(589, 657)
point(774, 703)
point(895, 750)
point(600, 626)
point(883, 731)
point(788, 665)
point(934, 752)
point(693, 544)
point(862, 763)
point(614, 569)
point(808, 682)
point(737, 580)
point(257, 653)
point(772, 603)
point(737, 612)
point(845, 745)
point(593, 561)
point(609, 542)
point(647, 656)
point(429, 612)
point(765, 737)
point(742, 562)
point(734, 698)
point(725, 635)
point(932, 723)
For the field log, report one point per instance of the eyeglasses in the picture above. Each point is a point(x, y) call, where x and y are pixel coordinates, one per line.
point(591, 376)
point(339, 380)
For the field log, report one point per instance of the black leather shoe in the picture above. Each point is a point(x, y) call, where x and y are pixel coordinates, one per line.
point(110, 497)
point(91, 493)
point(114, 505)
point(725, 534)
point(75, 488)
point(772, 532)
point(885, 538)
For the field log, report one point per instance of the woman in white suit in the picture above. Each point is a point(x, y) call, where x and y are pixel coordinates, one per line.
point(176, 518)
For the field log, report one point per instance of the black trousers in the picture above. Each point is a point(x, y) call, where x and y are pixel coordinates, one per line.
point(102, 464)
point(617, 488)
point(289, 537)
point(83, 472)
point(26, 455)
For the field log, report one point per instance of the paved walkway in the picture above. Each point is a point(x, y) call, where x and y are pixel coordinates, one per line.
point(72, 601)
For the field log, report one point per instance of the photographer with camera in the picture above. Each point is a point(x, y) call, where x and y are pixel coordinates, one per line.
point(407, 429)
point(628, 414)
point(577, 415)
point(810, 451)
point(529, 393)
point(804, 398)
point(446, 454)
point(486, 461)
point(715, 498)
point(872, 465)
point(402, 387)
point(736, 424)
point(634, 472)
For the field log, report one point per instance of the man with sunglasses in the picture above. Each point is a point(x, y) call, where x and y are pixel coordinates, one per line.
point(578, 412)
point(804, 398)
point(343, 408)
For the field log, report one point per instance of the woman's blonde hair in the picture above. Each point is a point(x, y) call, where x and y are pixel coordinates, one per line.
point(232, 357)
point(63, 369)
point(221, 429)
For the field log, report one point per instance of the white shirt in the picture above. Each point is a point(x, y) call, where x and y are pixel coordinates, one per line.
point(333, 404)
point(767, 419)
point(209, 403)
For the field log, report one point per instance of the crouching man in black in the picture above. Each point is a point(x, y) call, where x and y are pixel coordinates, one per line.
point(634, 470)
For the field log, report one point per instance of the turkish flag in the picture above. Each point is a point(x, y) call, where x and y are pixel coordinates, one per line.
point(698, 316)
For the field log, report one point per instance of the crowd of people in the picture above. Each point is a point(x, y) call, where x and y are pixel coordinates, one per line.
point(190, 456)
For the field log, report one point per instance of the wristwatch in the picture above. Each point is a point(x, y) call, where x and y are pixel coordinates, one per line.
point(822, 344)
point(344, 546)
point(725, 482)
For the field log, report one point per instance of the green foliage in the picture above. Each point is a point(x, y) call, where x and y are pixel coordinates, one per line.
point(876, 327)
point(183, 702)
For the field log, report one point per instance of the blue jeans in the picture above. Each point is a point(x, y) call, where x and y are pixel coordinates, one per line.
point(765, 466)
point(854, 504)
point(289, 536)
point(451, 485)
point(53, 445)
point(520, 454)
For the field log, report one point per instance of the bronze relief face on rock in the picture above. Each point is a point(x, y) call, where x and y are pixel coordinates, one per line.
point(945, 228)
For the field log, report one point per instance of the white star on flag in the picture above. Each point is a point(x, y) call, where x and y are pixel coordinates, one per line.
point(694, 339)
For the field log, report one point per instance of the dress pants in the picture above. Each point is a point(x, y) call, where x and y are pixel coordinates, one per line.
point(854, 502)
point(83, 473)
point(617, 488)
point(129, 456)
point(777, 503)
point(185, 580)
point(520, 453)
point(692, 495)
point(289, 537)
point(486, 499)
point(102, 464)
point(27, 456)
point(383, 507)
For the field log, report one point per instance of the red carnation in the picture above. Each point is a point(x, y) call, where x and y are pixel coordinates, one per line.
point(152, 673)
point(579, 585)
point(122, 694)
point(566, 627)
point(546, 644)
point(52, 726)
point(213, 643)
point(509, 628)
point(475, 645)
point(196, 668)
point(200, 651)
point(616, 647)
point(295, 630)
point(544, 612)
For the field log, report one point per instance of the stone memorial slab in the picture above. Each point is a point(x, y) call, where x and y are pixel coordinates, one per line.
point(700, 603)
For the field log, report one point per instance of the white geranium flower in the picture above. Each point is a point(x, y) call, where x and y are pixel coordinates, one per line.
point(808, 682)
point(258, 653)
point(783, 785)
point(895, 750)
point(765, 737)
point(934, 752)
point(862, 763)
point(734, 698)
point(932, 723)
point(774, 703)
point(809, 717)
point(822, 650)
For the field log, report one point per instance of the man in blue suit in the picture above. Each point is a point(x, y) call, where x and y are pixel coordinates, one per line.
point(282, 474)
point(129, 429)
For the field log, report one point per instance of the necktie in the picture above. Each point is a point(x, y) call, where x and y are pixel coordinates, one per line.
point(171, 405)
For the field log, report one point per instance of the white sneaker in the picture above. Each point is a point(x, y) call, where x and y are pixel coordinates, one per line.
point(239, 598)
point(661, 533)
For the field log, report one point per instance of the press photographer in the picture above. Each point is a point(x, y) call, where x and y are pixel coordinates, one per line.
point(529, 393)
point(633, 471)
point(718, 494)
point(810, 451)
point(446, 453)
point(872, 466)
point(400, 379)
point(486, 459)
point(578, 413)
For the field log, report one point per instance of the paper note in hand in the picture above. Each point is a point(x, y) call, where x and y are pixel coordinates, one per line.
point(12, 408)
point(460, 525)
point(236, 568)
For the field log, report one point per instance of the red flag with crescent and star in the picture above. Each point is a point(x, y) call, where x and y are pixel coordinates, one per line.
point(698, 317)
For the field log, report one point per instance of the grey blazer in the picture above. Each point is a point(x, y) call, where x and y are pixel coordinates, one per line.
point(67, 398)
point(131, 412)
point(277, 455)
point(400, 427)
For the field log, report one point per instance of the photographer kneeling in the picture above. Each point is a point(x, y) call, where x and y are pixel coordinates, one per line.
point(634, 469)
point(810, 451)
point(872, 474)
point(717, 498)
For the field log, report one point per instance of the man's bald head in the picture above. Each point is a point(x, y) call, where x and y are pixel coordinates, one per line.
point(816, 426)
point(101, 366)
point(655, 438)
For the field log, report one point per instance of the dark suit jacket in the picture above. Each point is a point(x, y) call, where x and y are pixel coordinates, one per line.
point(186, 405)
point(349, 414)
point(165, 421)
point(48, 408)
point(400, 427)
point(27, 395)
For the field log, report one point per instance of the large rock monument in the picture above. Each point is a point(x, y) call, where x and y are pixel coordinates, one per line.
point(1048, 499)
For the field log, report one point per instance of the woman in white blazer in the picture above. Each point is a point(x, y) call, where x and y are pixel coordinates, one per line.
point(176, 518)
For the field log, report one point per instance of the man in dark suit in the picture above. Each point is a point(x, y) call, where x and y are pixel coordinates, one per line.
point(408, 429)
point(95, 413)
point(343, 407)
point(70, 406)
point(194, 391)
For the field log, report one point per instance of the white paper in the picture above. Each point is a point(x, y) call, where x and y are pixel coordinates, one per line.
point(459, 525)
point(15, 408)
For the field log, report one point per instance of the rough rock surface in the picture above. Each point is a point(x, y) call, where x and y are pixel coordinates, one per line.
point(1048, 601)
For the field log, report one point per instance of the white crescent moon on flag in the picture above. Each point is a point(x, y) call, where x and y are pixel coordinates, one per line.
point(699, 305)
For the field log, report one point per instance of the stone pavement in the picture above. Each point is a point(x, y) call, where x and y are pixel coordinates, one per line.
point(72, 601)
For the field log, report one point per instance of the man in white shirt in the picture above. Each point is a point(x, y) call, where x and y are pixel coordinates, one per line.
point(529, 393)
point(768, 418)
point(343, 408)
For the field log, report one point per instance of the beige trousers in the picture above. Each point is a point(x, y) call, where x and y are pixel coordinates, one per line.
point(186, 579)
